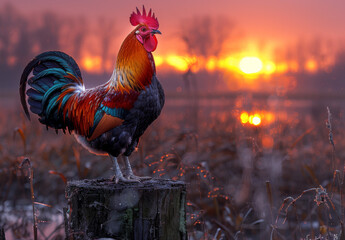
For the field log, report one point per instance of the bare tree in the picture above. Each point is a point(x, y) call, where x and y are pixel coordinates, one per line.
point(12, 26)
point(107, 35)
point(48, 33)
point(73, 34)
point(315, 48)
point(205, 36)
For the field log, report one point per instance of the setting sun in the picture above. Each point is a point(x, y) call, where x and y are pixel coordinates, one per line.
point(250, 65)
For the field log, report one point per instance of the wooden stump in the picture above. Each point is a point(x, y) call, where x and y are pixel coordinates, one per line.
point(2, 233)
point(152, 209)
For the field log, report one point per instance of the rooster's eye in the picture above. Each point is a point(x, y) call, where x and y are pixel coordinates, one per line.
point(143, 29)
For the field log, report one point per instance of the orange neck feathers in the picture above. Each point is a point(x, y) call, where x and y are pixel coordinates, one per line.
point(133, 70)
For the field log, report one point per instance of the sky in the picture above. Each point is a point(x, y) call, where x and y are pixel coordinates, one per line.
point(273, 36)
point(277, 21)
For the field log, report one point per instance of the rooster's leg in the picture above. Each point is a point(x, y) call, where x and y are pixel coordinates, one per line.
point(118, 174)
point(129, 172)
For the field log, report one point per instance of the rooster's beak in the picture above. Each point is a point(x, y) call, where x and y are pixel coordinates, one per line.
point(154, 31)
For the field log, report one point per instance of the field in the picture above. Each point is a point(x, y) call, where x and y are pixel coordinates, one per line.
point(281, 179)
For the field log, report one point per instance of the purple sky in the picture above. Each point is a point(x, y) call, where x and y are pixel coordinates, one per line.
point(285, 32)
point(276, 21)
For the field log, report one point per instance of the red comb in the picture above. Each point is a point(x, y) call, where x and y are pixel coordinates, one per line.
point(150, 20)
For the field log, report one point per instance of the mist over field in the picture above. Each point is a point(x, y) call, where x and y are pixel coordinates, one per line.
point(253, 120)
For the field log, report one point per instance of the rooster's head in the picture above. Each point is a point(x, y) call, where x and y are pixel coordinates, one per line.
point(147, 27)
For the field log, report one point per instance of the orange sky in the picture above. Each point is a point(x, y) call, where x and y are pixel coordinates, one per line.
point(277, 22)
point(271, 30)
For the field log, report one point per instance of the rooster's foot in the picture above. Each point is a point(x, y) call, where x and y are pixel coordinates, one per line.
point(118, 179)
point(118, 174)
point(129, 172)
point(131, 176)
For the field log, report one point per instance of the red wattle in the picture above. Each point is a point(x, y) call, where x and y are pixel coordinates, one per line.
point(150, 44)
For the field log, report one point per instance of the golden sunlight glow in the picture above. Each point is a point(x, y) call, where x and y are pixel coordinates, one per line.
point(178, 62)
point(255, 119)
point(282, 67)
point(158, 60)
point(250, 65)
point(269, 67)
point(311, 66)
point(211, 64)
point(244, 117)
point(228, 63)
point(236, 64)
point(92, 64)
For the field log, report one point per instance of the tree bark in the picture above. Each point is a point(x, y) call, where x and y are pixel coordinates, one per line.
point(152, 209)
point(2, 233)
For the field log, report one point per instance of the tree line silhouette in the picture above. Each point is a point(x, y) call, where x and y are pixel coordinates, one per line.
point(22, 37)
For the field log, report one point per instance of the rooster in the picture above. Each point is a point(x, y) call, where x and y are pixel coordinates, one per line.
point(108, 119)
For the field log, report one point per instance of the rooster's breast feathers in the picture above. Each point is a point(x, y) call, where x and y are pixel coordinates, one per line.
point(112, 111)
